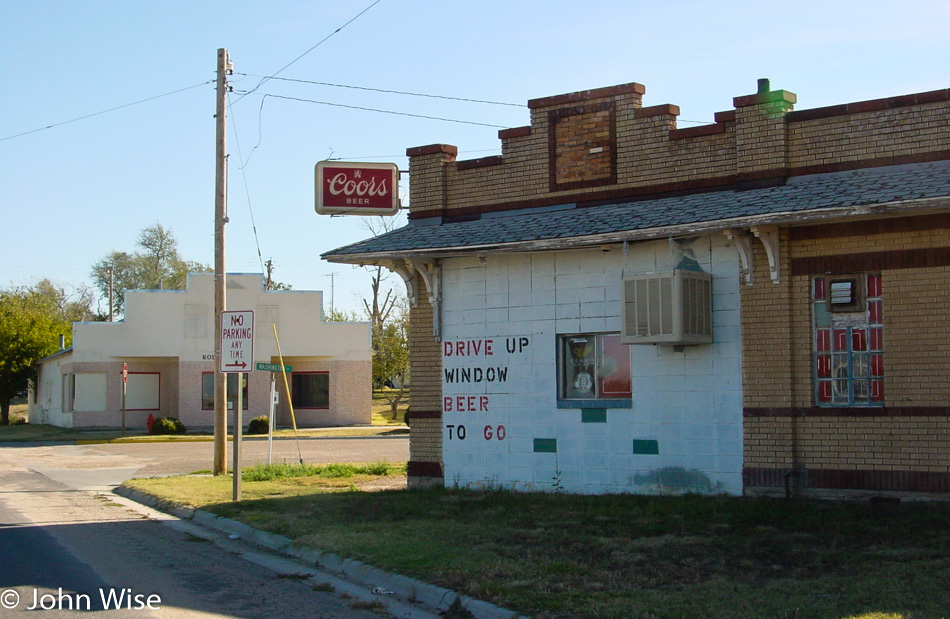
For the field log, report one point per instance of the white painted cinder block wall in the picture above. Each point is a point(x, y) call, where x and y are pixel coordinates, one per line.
point(689, 402)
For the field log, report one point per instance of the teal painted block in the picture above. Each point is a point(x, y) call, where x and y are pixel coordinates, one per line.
point(593, 415)
point(545, 445)
point(645, 447)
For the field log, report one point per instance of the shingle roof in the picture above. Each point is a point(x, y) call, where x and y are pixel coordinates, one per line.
point(800, 198)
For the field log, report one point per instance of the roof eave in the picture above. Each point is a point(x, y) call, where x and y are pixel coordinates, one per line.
point(920, 206)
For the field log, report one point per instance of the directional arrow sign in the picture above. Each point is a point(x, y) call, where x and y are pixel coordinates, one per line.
point(237, 341)
point(273, 367)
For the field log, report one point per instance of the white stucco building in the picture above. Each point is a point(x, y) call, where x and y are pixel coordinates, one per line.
point(539, 392)
point(167, 342)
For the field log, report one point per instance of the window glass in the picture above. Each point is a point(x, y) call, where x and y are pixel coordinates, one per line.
point(594, 368)
point(848, 345)
point(143, 391)
point(310, 389)
point(207, 391)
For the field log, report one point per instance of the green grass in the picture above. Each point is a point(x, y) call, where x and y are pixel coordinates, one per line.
point(382, 413)
point(556, 555)
point(265, 481)
point(269, 472)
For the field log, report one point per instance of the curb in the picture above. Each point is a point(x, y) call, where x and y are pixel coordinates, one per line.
point(372, 578)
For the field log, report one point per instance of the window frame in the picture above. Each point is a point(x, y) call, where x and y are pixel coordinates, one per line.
point(609, 344)
point(294, 391)
point(848, 347)
point(208, 405)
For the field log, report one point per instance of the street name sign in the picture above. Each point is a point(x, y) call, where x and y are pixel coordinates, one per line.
point(273, 367)
point(237, 341)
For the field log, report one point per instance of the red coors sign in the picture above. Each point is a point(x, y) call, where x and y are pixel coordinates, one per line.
point(356, 188)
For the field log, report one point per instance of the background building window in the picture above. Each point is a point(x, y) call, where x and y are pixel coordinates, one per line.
point(593, 370)
point(849, 343)
point(310, 389)
point(87, 392)
point(143, 391)
point(207, 391)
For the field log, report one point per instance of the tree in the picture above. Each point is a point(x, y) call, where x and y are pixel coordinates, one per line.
point(157, 266)
point(31, 322)
point(391, 358)
point(379, 309)
point(70, 304)
point(390, 319)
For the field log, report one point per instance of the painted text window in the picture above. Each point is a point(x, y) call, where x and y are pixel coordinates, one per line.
point(849, 340)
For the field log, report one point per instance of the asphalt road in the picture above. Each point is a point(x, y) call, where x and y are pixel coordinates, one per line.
point(103, 466)
point(65, 544)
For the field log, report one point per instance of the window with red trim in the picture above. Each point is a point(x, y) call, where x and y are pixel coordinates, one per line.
point(849, 341)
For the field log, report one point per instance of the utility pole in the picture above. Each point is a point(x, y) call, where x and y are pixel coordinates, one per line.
point(220, 272)
point(111, 285)
point(270, 272)
point(332, 282)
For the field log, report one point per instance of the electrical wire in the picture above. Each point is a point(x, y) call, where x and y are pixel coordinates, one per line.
point(319, 43)
point(391, 92)
point(247, 192)
point(111, 109)
point(370, 109)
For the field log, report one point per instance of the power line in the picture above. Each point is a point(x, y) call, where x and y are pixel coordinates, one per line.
point(370, 109)
point(319, 43)
point(247, 193)
point(111, 109)
point(391, 92)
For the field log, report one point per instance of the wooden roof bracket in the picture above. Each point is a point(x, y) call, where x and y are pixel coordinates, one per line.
point(431, 273)
point(770, 240)
point(407, 273)
point(743, 243)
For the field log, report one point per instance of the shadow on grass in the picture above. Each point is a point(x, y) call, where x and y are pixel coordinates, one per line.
point(637, 556)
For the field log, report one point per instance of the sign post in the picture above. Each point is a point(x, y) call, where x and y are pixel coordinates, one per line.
point(270, 418)
point(237, 357)
point(125, 382)
point(273, 368)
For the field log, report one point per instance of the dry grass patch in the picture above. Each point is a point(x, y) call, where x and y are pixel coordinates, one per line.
point(550, 555)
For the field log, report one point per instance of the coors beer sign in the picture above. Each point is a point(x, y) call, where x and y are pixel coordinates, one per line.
point(357, 188)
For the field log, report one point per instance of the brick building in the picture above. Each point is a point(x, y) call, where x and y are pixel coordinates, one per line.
point(167, 342)
point(758, 305)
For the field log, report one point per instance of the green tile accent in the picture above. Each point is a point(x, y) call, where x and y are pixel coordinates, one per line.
point(593, 415)
point(644, 447)
point(545, 445)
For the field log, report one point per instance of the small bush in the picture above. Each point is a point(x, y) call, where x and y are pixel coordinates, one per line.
point(258, 425)
point(18, 421)
point(168, 425)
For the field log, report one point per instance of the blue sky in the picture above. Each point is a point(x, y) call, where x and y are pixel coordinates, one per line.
point(74, 192)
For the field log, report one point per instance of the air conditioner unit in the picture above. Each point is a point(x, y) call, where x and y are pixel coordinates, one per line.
point(847, 293)
point(668, 308)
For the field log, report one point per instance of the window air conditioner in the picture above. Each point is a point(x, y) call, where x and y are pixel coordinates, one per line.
point(668, 308)
point(847, 293)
